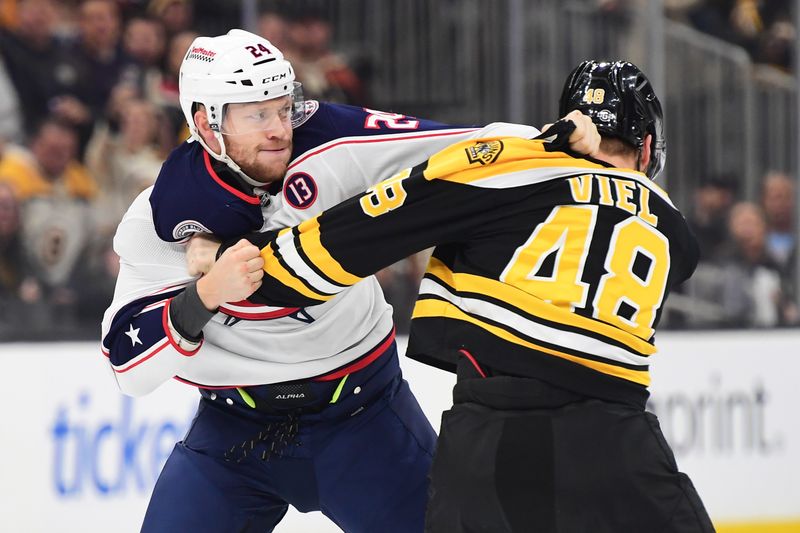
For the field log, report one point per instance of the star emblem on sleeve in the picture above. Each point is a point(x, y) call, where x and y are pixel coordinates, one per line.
point(133, 333)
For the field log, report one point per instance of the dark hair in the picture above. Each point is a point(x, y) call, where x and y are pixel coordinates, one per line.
point(724, 180)
point(54, 122)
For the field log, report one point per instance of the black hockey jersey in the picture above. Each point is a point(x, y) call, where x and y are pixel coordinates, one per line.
point(546, 265)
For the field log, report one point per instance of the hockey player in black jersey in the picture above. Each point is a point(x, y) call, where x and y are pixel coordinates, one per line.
point(544, 292)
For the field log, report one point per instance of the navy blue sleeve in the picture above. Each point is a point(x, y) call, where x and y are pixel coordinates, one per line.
point(189, 197)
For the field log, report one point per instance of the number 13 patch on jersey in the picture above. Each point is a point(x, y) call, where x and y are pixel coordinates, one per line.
point(300, 190)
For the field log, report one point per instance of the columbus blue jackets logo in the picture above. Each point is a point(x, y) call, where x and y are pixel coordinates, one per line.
point(309, 108)
point(300, 190)
point(187, 228)
point(484, 152)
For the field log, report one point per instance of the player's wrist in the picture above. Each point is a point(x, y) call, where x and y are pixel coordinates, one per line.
point(208, 294)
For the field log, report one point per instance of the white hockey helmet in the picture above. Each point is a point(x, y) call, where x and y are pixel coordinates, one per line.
point(237, 67)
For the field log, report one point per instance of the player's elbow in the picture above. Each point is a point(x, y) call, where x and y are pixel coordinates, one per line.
point(135, 385)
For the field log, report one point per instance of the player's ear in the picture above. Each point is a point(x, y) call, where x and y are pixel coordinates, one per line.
point(647, 149)
point(201, 121)
point(204, 129)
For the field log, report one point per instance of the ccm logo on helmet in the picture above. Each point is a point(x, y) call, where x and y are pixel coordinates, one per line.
point(276, 77)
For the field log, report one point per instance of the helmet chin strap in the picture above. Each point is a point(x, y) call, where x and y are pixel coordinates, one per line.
point(224, 158)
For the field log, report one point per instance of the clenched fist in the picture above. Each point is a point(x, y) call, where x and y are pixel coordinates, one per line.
point(585, 139)
point(235, 276)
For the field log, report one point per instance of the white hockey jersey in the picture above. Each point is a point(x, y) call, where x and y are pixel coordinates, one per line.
point(339, 151)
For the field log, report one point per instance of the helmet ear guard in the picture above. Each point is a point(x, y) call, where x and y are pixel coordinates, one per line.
point(621, 102)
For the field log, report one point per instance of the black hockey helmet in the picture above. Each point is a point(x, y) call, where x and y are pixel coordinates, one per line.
point(621, 102)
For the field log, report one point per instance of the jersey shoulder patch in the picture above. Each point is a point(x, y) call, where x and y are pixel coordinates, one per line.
point(309, 108)
point(189, 197)
point(484, 152)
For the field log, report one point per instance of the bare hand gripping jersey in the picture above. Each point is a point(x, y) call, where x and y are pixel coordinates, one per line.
point(339, 151)
point(546, 265)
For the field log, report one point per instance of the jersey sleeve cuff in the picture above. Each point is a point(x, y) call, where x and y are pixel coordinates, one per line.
point(182, 345)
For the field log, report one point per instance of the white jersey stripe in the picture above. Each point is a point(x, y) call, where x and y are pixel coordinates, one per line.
point(380, 139)
point(142, 357)
point(529, 328)
point(288, 251)
point(152, 306)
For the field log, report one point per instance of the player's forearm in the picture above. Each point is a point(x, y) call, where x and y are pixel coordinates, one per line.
point(311, 263)
point(189, 313)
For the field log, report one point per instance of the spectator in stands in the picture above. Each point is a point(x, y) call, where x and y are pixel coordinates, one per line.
point(98, 54)
point(124, 163)
point(175, 15)
point(717, 18)
point(758, 26)
point(713, 199)
point(144, 41)
point(50, 168)
point(165, 93)
point(8, 12)
point(778, 201)
point(41, 70)
point(743, 289)
point(274, 26)
point(55, 191)
point(325, 74)
point(762, 300)
point(777, 44)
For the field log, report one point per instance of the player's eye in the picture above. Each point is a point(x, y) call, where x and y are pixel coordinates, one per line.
point(259, 116)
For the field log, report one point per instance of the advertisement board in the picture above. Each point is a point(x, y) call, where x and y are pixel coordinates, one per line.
point(77, 456)
point(728, 406)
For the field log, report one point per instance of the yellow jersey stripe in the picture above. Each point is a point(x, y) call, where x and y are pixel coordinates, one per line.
point(789, 526)
point(517, 155)
point(275, 269)
point(310, 240)
point(533, 305)
point(442, 309)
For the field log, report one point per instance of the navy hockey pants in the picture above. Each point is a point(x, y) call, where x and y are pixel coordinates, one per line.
point(363, 461)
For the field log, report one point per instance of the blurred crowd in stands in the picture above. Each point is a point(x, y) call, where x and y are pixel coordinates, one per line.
point(89, 109)
point(765, 28)
point(748, 251)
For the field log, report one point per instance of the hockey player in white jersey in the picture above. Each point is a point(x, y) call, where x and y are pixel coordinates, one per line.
point(299, 406)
